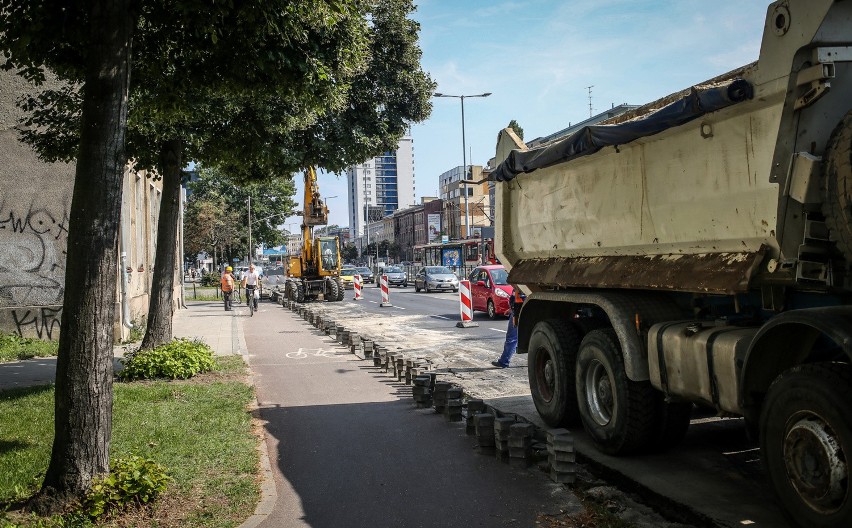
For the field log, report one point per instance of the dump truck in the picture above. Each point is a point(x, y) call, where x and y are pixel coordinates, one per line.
point(697, 250)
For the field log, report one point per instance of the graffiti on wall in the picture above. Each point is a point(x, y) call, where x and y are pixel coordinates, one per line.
point(43, 322)
point(32, 263)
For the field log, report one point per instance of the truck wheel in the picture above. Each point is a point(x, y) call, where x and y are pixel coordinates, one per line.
point(618, 414)
point(300, 292)
point(551, 362)
point(331, 288)
point(492, 312)
point(341, 290)
point(806, 443)
point(837, 186)
point(290, 291)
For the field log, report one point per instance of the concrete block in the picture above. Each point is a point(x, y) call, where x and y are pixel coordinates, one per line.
point(561, 478)
point(475, 406)
point(552, 433)
point(562, 456)
point(520, 430)
point(503, 423)
point(525, 442)
point(455, 392)
point(563, 467)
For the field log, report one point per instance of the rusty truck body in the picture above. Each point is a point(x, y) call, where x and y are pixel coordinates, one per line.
point(698, 250)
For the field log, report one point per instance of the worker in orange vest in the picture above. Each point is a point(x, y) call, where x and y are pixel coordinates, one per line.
point(228, 286)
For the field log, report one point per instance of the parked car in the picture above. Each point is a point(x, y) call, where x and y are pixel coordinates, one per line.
point(347, 275)
point(435, 278)
point(272, 284)
point(396, 276)
point(489, 291)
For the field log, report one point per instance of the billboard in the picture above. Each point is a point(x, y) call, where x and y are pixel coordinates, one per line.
point(434, 226)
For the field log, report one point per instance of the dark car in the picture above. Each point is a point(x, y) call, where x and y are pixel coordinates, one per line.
point(366, 275)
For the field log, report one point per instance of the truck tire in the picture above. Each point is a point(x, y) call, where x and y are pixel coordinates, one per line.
point(806, 443)
point(331, 289)
point(290, 292)
point(619, 415)
point(341, 290)
point(837, 186)
point(552, 356)
point(300, 292)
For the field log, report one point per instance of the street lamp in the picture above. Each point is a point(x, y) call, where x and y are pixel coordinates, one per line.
point(464, 156)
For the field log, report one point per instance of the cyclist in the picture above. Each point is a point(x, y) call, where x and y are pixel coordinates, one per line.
point(227, 286)
point(251, 280)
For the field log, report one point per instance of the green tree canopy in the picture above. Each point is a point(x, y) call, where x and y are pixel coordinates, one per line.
point(517, 128)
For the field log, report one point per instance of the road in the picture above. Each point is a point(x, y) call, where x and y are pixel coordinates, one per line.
point(720, 465)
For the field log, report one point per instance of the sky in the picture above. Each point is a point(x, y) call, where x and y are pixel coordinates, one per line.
point(537, 58)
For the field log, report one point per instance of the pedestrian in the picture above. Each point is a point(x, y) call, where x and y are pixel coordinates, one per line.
point(250, 281)
point(511, 344)
point(227, 287)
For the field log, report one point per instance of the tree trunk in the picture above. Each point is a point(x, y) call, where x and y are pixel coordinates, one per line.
point(161, 306)
point(84, 373)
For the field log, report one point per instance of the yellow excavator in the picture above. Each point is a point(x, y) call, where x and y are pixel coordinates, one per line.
point(316, 271)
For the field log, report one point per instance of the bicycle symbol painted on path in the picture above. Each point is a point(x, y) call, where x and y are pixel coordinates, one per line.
point(304, 353)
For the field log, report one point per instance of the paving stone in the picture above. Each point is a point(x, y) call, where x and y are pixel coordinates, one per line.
point(563, 467)
point(522, 430)
point(562, 456)
point(561, 446)
point(475, 406)
point(562, 478)
point(525, 442)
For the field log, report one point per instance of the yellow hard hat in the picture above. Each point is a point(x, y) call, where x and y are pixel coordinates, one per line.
point(229, 268)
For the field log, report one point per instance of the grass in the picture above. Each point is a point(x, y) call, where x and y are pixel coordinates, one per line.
point(14, 348)
point(200, 429)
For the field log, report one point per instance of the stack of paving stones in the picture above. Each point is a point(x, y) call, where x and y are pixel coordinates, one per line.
point(338, 333)
point(439, 395)
point(484, 424)
point(561, 457)
point(385, 358)
point(400, 367)
point(368, 348)
point(453, 409)
point(354, 343)
point(411, 366)
point(520, 444)
point(474, 407)
point(422, 391)
point(377, 354)
point(502, 426)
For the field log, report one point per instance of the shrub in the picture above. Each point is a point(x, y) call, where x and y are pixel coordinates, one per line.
point(132, 480)
point(180, 359)
point(209, 279)
point(13, 347)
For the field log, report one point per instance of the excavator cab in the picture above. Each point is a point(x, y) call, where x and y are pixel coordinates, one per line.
point(329, 251)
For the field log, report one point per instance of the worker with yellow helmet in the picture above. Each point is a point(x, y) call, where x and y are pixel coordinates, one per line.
point(228, 286)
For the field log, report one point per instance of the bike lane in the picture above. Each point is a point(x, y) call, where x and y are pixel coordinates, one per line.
point(349, 448)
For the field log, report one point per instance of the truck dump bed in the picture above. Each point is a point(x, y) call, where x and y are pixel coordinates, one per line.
point(706, 190)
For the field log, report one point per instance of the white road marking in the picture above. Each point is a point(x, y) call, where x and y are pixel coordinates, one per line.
point(497, 330)
point(440, 317)
point(374, 302)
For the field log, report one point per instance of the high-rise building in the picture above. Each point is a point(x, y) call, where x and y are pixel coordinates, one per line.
point(380, 186)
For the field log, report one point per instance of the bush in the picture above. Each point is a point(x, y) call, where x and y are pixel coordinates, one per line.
point(132, 480)
point(180, 359)
point(13, 347)
point(209, 279)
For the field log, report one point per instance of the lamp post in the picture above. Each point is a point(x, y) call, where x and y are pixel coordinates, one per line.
point(464, 156)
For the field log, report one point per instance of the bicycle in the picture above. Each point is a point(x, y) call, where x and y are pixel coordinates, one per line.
point(251, 299)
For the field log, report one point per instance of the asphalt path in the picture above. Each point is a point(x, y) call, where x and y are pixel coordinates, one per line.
point(716, 471)
point(349, 448)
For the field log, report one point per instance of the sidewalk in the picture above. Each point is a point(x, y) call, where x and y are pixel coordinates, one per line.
point(204, 320)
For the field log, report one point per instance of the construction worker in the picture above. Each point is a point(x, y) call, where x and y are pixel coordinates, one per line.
point(228, 286)
point(511, 344)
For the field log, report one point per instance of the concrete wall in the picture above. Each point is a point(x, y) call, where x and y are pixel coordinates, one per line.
point(35, 200)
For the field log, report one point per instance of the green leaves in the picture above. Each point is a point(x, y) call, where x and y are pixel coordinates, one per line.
point(180, 359)
point(132, 480)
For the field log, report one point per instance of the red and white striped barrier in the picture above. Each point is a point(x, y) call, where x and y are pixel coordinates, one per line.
point(385, 292)
point(465, 305)
point(357, 285)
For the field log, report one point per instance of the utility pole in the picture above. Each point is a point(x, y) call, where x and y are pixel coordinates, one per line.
point(249, 225)
point(589, 88)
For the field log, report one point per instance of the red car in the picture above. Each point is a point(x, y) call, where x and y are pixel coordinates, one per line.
point(490, 291)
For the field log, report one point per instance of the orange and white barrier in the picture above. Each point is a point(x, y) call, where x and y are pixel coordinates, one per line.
point(385, 292)
point(357, 286)
point(465, 305)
